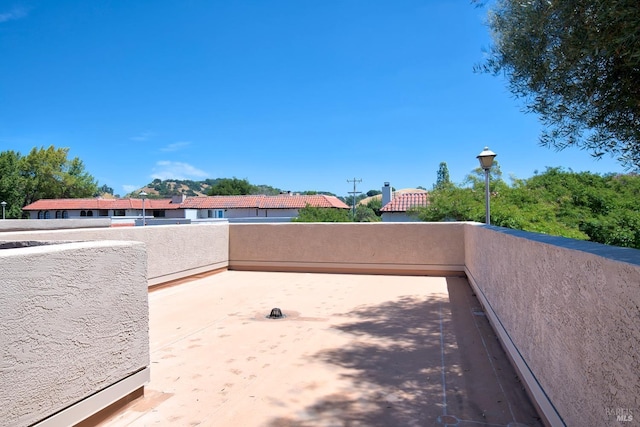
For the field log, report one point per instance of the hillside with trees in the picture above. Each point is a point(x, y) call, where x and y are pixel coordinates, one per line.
point(161, 189)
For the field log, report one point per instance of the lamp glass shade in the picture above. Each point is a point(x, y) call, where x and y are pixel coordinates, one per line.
point(486, 158)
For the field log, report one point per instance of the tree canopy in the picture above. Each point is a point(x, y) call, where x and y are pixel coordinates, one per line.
point(576, 63)
point(45, 173)
point(442, 178)
point(314, 214)
point(581, 205)
point(231, 187)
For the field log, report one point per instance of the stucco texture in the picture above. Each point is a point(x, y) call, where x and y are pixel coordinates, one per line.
point(336, 246)
point(573, 315)
point(173, 250)
point(74, 321)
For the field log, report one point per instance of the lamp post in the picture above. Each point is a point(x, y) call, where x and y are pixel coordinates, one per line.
point(486, 161)
point(143, 195)
point(4, 204)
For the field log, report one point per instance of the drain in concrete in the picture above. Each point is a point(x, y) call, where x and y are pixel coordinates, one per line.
point(276, 313)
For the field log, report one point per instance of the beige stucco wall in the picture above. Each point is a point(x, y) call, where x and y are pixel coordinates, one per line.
point(174, 251)
point(408, 248)
point(52, 224)
point(73, 321)
point(572, 309)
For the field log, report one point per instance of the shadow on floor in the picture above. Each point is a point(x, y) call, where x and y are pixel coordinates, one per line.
point(420, 360)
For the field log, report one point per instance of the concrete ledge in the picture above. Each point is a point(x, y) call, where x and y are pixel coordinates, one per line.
point(182, 274)
point(534, 389)
point(355, 268)
point(53, 224)
point(98, 401)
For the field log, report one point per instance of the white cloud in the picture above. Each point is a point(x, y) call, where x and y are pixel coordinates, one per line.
point(176, 146)
point(14, 14)
point(176, 170)
point(144, 136)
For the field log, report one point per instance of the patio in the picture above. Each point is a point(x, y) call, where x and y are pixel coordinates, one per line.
point(354, 350)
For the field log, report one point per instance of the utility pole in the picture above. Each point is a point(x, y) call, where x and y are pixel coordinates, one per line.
point(354, 192)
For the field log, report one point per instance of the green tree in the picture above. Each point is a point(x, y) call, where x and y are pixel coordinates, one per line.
point(366, 214)
point(375, 205)
point(442, 179)
point(11, 184)
point(105, 189)
point(231, 187)
point(314, 214)
point(575, 63)
point(48, 174)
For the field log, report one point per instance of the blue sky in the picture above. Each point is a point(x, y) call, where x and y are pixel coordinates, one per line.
point(299, 94)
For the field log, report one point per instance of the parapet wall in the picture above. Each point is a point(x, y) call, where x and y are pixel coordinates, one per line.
point(74, 322)
point(174, 251)
point(571, 311)
point(567, 311)
point(400, 248)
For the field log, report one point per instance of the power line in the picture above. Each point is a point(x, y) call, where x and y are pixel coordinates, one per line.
point(354, 192)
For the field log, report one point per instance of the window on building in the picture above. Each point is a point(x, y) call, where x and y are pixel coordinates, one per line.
point(58, 214)
point(103, 212)
point(83, 213)
point(158, 214)
point(47, 215)
point(65, 214)
point(89, 213)
point(40, 214)
point(118, 212)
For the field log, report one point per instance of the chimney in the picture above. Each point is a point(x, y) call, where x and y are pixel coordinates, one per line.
point(387, 195)
point(178, 198)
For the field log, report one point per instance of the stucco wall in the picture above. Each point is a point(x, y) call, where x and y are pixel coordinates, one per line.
point(572, 309)
point(174, 251)
point(73, 321)
point(409, 248)
point(397, 217)
point(52, 224)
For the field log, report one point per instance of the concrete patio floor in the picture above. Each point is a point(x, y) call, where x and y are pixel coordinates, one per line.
point(354, 350)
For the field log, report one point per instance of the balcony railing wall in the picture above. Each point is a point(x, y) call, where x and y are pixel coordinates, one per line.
point(74, 327)
point(566, 311)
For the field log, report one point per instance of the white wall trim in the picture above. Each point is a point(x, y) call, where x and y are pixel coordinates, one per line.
point(98, 401)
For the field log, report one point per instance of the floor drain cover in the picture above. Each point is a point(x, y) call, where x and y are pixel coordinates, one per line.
point(276, 313)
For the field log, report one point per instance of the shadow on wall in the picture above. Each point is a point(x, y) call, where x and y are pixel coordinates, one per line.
point(420, 361)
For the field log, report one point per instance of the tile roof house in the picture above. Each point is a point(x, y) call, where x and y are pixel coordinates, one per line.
point(98, 207)
point(397, 210)
point(249, 206)
point(256, 206)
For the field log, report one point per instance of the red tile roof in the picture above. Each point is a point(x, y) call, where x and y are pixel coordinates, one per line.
point(263, 202)
point(79, 204)
point(208, 202)
point(404, 202)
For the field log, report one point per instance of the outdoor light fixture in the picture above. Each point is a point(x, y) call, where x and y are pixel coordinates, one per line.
point(486, 161)
point(3, 203)
point(143, 195)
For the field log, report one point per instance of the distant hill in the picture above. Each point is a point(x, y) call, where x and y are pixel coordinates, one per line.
point(162, 189)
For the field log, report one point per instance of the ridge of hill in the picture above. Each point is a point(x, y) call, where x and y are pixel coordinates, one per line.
point(162, 189)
